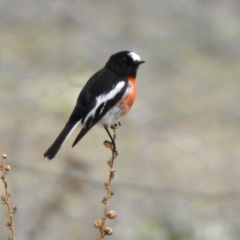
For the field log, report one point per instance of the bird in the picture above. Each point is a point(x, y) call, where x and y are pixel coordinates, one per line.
point(106, 97)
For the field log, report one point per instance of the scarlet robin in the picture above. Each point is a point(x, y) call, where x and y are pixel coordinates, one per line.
point(108, 95)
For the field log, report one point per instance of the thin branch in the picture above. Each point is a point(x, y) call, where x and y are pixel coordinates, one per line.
point(100, 224)
point(6, 199)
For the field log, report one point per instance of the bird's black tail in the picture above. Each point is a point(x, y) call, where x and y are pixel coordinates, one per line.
point(52, 151)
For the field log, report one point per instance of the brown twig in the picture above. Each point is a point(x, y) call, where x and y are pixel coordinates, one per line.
point(6, 199)
point(100, 224)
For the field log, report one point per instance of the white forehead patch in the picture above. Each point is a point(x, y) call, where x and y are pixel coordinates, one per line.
point(134, 56)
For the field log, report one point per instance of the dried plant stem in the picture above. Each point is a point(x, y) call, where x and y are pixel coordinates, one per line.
point(6, 199)
point(100, 224)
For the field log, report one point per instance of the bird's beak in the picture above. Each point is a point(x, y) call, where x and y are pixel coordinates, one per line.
point(139, 62)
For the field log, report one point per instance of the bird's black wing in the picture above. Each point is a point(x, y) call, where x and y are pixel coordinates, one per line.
point(108, 89)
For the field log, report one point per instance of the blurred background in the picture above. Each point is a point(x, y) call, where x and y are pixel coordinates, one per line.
point(177, 173)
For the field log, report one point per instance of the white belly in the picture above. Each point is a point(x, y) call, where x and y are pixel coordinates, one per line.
point(111, 117)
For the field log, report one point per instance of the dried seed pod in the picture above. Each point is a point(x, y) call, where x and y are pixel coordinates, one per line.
point(111, 192)
point(108, 230)
point(112, 214)
point(4, 156)
point(112, 172)
point(104, 200)
point(14, 209)
point(7, 168)
point(3, 199)
point(107, 144)
point(9, 224)
point(98, 223)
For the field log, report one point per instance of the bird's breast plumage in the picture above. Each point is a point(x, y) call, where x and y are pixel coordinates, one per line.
point(123, 105)
point(129, 97)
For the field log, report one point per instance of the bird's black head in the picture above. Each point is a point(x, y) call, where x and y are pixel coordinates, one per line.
point(125, 63)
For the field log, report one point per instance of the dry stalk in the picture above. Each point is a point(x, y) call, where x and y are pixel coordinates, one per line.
point(6, 199)
point(100, 224)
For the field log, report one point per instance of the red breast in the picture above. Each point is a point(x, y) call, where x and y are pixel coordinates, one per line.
point(126, 103)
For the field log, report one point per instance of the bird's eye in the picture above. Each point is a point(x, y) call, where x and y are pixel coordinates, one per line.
point(124, 59)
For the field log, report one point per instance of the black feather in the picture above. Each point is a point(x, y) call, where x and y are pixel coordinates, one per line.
point(53, 149)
